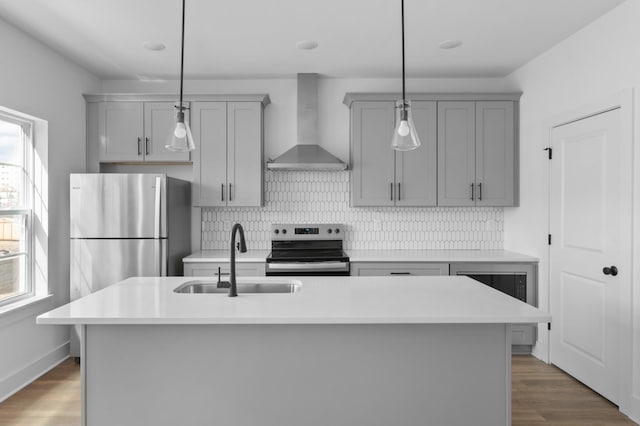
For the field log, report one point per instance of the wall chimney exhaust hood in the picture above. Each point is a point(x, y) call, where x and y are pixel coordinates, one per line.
point(307, 154)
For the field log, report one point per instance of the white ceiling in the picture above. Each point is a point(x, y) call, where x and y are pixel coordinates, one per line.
point(257, 38)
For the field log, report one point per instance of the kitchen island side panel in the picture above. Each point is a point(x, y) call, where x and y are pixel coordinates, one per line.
point(313, 375)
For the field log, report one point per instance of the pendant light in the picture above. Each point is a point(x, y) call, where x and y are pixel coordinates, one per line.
point(181, 139)
point(405, 137)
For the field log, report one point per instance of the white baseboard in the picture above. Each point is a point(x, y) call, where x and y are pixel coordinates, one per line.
point(13, 383)
point(633, 410)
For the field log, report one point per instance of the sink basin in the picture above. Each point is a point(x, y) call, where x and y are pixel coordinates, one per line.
point(201, 286)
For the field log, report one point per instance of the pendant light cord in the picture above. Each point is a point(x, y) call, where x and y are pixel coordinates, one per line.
point(402, 16)
point(182, 57)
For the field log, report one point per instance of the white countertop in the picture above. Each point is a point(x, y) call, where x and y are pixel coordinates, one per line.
point(448, 256)
point(321, 300)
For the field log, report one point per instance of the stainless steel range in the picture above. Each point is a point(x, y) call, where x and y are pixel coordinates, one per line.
point(307, 250)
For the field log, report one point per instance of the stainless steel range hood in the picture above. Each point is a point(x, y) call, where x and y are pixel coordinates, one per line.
point(307, 154)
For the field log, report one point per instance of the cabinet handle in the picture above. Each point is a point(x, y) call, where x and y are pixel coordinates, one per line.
point(391, 191)
point(398, 191)
point(222, 192)
point(399, 273)
point(479, 192)
point(230, 191)
point(146, 146)
point(472, 195)
point(139, 145)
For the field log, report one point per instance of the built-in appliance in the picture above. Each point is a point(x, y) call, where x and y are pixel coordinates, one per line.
point(518, 280)
point(515, 279)
point(307, 250)
point(125, 225)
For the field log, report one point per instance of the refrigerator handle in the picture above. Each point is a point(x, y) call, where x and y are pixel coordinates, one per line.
point(157, 224)
point(160, 257)
point(158, 204)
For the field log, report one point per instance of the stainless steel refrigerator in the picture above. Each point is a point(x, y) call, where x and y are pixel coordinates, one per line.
point(125, 225)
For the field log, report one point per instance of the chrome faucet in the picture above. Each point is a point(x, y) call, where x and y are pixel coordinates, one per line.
point(242, 246)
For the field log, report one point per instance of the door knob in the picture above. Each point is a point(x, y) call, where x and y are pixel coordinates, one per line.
point(610, 270)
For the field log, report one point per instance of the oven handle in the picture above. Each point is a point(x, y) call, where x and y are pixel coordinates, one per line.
point(301, 266)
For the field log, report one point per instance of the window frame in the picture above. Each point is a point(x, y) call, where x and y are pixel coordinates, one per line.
point(26, 210)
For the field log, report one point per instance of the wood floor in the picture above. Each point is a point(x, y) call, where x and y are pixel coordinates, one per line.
point(542, 395)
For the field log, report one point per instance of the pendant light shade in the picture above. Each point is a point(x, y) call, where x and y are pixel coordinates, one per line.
point(405, 137)
point(181, 139)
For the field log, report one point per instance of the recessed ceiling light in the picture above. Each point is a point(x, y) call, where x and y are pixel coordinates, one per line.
point(152, 45)
point(306, 45)
point(147, 79)
point(450, 44)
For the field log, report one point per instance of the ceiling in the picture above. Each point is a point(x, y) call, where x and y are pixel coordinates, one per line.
point(257, 38)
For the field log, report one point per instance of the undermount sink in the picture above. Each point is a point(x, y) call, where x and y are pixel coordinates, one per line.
point(211, 287)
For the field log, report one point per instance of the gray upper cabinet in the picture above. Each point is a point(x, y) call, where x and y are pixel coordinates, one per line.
point(495, 154)
point(456, 153)
point(476, 153)
point(372, 160)
point(381, 176)
point(159, 124)
point(416, 170)
point(136, 132)
point(468, 157)
point(228, 164)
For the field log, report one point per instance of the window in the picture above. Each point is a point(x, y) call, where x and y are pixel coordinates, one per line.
point(15, 209)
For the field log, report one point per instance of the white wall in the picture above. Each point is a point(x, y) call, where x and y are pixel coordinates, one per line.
point(598, 61)
point(41, 83)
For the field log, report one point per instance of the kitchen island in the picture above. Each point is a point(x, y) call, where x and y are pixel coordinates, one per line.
point(340, 351)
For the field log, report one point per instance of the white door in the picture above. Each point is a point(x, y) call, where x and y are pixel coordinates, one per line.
point(590, 201)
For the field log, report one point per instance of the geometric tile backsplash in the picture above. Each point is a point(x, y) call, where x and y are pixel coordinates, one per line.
point(323, 197)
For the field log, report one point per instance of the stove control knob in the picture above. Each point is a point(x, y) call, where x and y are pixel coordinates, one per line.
point(337, 230)
point(329, 230)
point(284, 231)
point(277, 231)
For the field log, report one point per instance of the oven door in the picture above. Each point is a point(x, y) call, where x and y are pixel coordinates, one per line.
point(321, 268)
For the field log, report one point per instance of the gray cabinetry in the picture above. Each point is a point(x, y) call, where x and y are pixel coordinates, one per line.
point(210, 269)
point(136, 132)
point(398, 268)
point(476, 153)
point(468, 157)
point(228, 166)
point(381, 176)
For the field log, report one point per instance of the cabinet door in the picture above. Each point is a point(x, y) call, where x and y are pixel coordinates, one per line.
point(120, 127)
point(373, 161)
point(416, 171)
point(209, 128)
point(244, 154)
point(456, 154)
point(159, 123)
point(398, 269)
point(495, 154)
point(210, 269)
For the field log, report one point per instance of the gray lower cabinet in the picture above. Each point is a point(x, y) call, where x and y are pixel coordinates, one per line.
point(477, 153)
point(398, 268)
point(381, 176)
point(228, 164)
point(210, 269)
point(519, 278)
